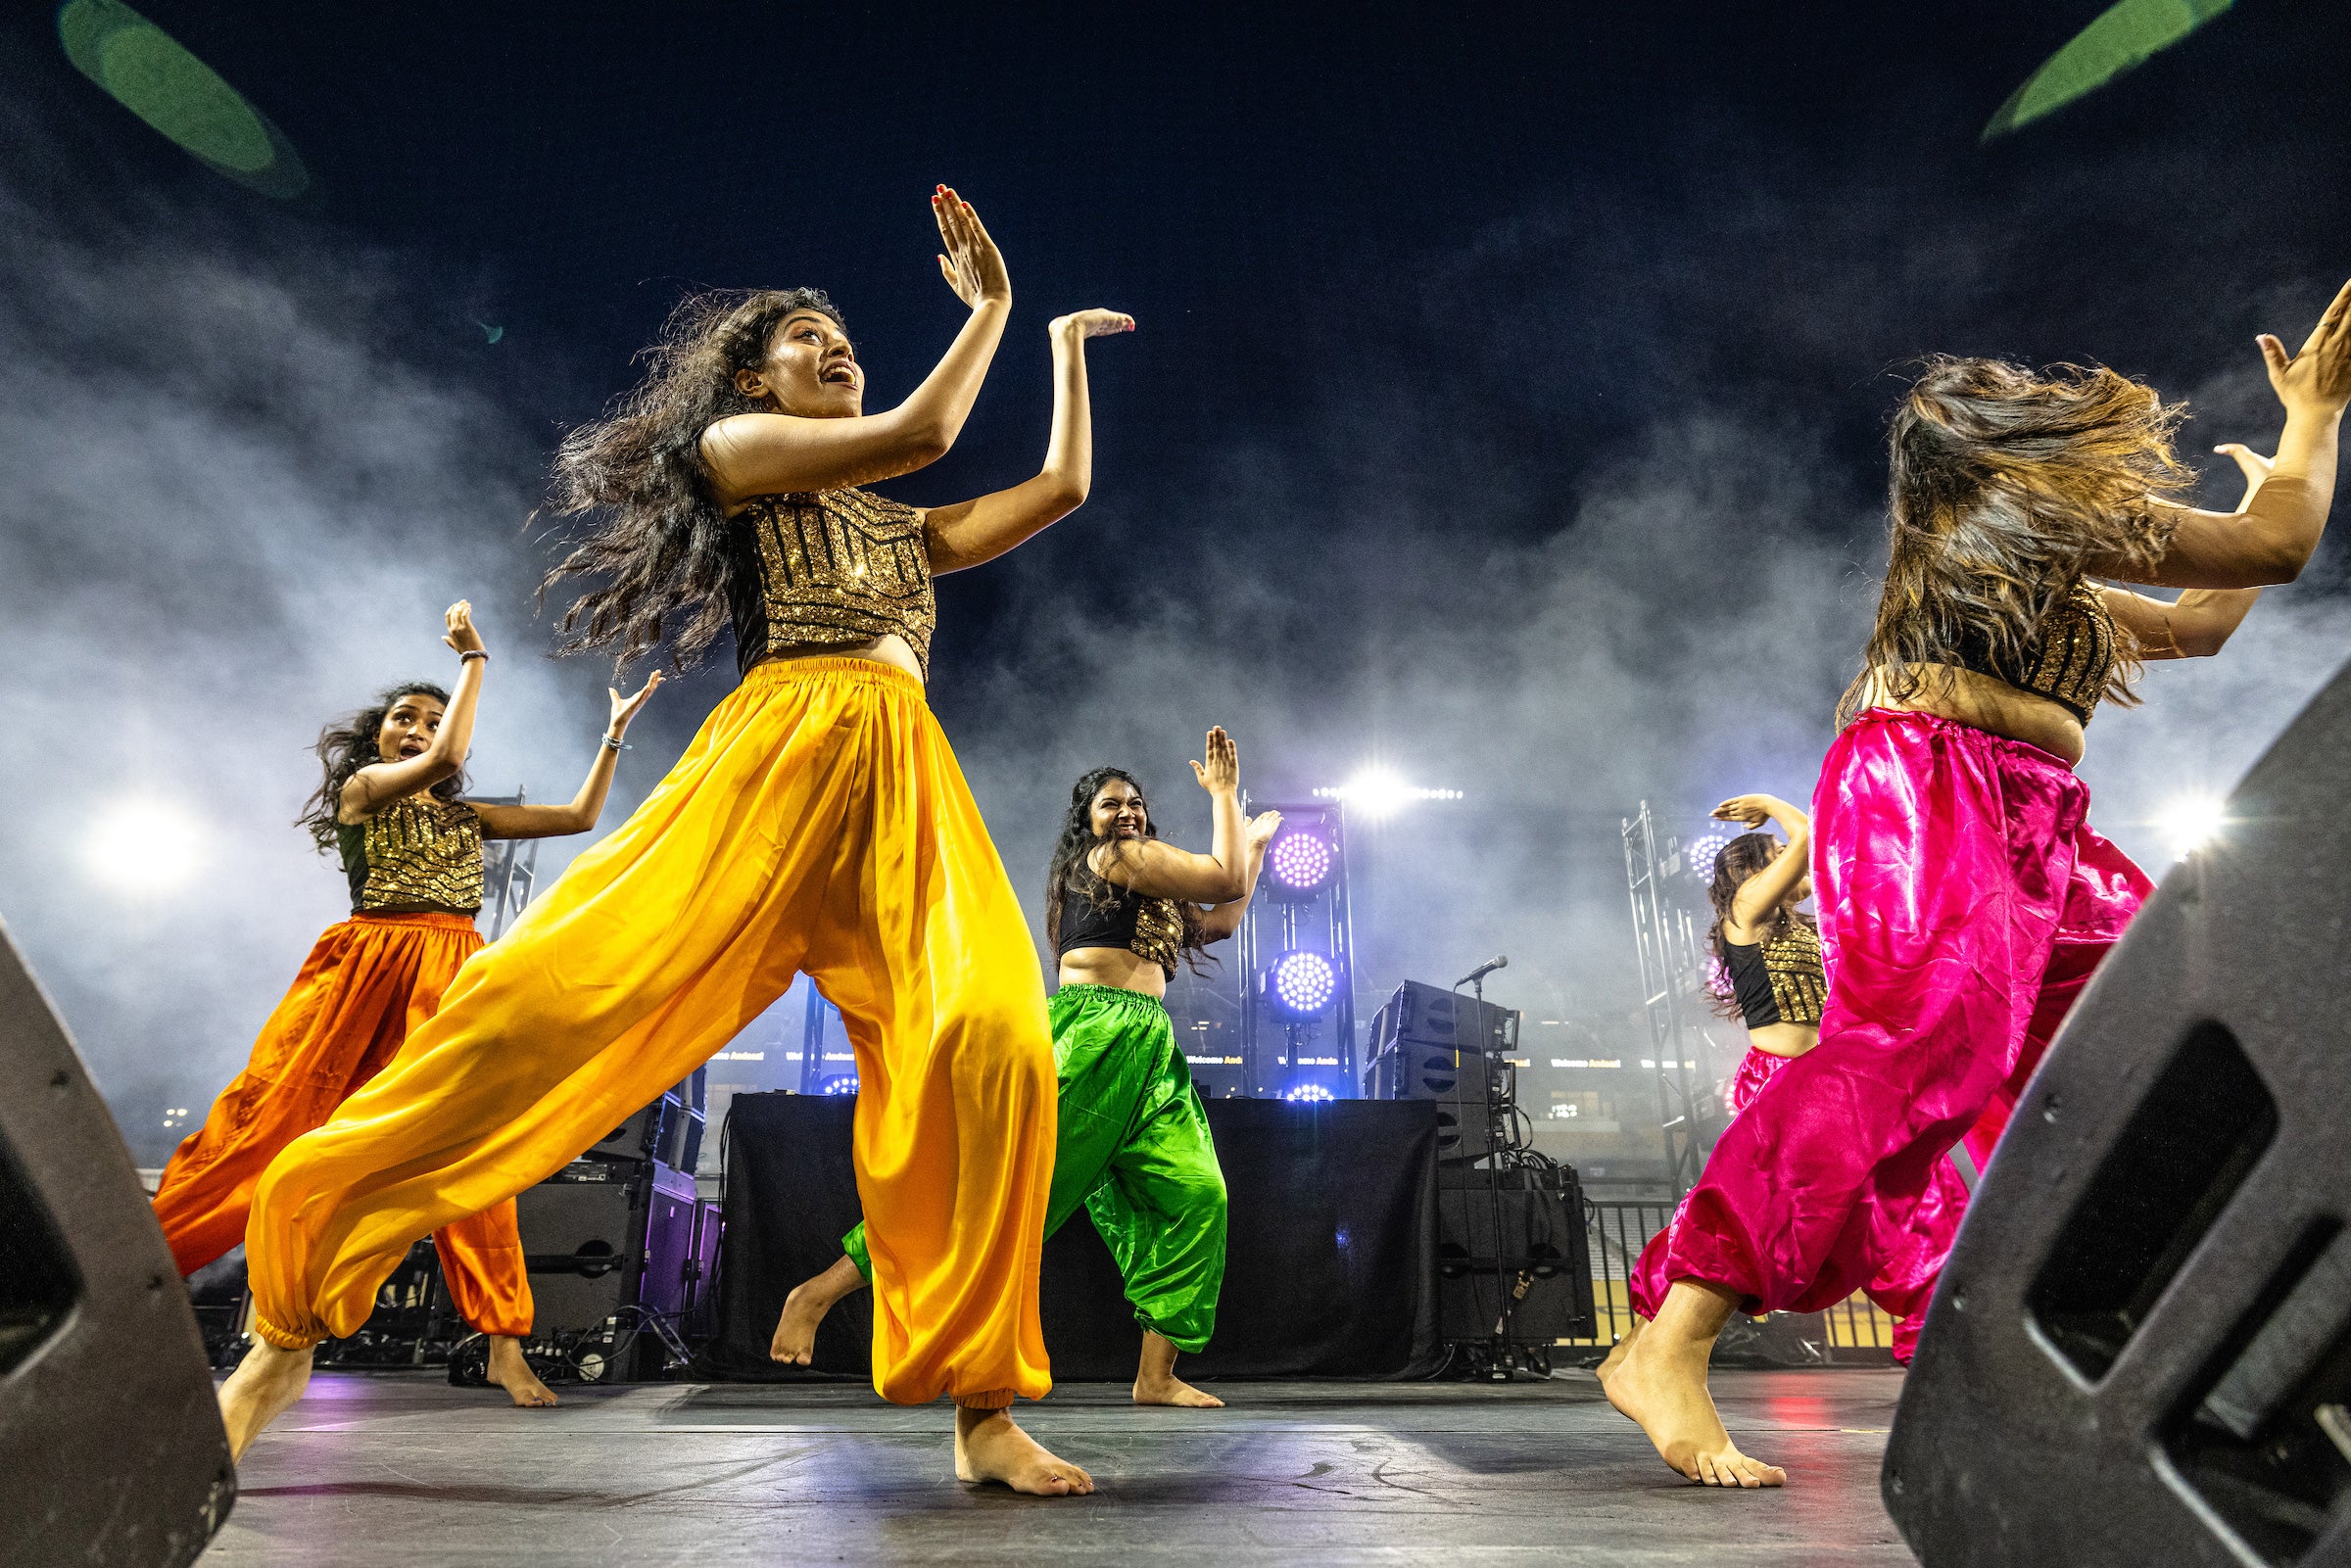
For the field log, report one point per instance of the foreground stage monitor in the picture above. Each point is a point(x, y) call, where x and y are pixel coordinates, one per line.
point(2140, 1352)
point(110, 1447)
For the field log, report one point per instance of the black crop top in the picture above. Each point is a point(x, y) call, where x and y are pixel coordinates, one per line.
point(2067, 659)
point(1148, 927)
point(828, 568)
point(1779, 981)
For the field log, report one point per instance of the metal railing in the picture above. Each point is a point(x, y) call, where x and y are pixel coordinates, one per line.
point(1852, 1333)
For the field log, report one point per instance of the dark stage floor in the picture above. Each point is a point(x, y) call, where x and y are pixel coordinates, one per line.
point(405, 1469)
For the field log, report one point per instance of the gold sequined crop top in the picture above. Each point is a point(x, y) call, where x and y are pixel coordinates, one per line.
point(2067, 659)
point(418, 853)
point(1779, 981)
point(1150, 928)
point(828, 568)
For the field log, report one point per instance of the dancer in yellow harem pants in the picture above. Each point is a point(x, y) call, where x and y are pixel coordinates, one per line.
point(818, 823)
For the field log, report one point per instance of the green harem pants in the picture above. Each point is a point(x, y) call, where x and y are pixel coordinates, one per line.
point(1135, 1148)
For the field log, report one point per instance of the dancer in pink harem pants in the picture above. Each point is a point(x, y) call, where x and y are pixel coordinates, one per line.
point(1964, 901)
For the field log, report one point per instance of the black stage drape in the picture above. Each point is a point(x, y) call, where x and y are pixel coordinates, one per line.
point(1329, 1255)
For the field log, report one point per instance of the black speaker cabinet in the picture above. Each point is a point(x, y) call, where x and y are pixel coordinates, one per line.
point(603, 1235)
point(1544, 1276)
point(2140, 1352)
point(110, 1445)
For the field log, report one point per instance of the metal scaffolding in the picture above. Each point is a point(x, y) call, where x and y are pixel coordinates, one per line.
point(1670, 979)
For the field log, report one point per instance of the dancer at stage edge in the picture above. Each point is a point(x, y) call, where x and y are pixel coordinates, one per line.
point(1959, 886)
point(818, 823)
point(1770, 959)
point(412, 849)
point(1121, 909)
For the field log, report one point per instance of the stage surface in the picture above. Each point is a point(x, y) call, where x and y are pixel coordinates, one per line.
point(403, 1468)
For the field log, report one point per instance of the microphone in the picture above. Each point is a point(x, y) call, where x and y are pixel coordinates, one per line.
point(1498, 961)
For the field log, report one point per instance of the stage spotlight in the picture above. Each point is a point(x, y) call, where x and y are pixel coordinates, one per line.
point(144, 846)
point(1300, 984)
point(1377, 793)
point(2191, 822)
point(839, 1083)
point(1301, 860)
point(1702, 850)
point(1308, 1094)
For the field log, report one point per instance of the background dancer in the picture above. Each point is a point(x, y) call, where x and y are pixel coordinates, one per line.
point(1950, 845)
point(412, 851)
point(818, 823)
point(1768, 953)
point(1121, 909)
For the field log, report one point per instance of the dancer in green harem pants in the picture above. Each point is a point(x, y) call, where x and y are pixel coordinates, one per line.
point(1123, 909)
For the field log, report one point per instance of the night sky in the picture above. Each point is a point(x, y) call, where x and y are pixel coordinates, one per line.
point(1467, 335)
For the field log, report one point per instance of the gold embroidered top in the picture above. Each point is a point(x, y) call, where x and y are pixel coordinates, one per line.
point(1158, 933)
point(2069, 659)
point(1798, 983)
point(418, 853)
point(828, 568)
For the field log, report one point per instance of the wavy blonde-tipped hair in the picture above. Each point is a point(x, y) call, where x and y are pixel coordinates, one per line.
point(2008, 484)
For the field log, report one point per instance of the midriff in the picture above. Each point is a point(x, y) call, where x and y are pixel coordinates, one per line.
point(1783, 1039)
point(891, 650)
point(1987, 703)
point(1114, 967)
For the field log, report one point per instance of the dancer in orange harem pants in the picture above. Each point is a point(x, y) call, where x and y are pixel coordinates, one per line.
point(368, 984)
point(818, 823)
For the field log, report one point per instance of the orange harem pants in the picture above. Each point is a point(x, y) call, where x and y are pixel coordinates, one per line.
point(818, 823)
point(368, 985)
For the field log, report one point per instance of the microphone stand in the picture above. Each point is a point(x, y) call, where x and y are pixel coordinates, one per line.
point(1502, 1366)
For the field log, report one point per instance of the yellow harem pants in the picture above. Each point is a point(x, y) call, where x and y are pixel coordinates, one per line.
point(819, 823)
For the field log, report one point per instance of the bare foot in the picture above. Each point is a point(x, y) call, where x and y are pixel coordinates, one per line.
point(989, 1446)
point(510, 1371)
point(1661, 1385)
point(263, 1388)
point(1617, 1352)
point(1156, 1382)
point(794, 1339)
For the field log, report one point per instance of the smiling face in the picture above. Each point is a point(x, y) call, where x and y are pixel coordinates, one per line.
point(1119, 812)
point(810, 370)
point(409, 727)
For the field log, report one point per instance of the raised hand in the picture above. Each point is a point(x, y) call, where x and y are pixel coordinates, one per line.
point(461, 633)
point(2251, 463)
point(1081, 324)
point(1220, 775)
point(1261, 828)
point(2319, 377)
point(625, 708)
point(1752, 810)
point(971, 262)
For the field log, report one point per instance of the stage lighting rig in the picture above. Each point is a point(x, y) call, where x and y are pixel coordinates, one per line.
point(1296, 957)
point(1377, 793)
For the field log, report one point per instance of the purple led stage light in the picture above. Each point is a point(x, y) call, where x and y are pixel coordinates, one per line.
point(1311, 1094)
point(839, 1083)
point(1301, 984)
point(1301, 860)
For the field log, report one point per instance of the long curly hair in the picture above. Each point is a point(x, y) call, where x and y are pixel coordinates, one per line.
point(659, 543)
point(1071, 868)
point(2006, 485)
point(1734, 863)
point(349, 744)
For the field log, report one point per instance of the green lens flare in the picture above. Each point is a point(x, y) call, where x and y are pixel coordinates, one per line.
point(141, 68)
point(2124, 36)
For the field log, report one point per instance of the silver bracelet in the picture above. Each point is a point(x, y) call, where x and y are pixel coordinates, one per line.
point(615, 742)
point(473, 653)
